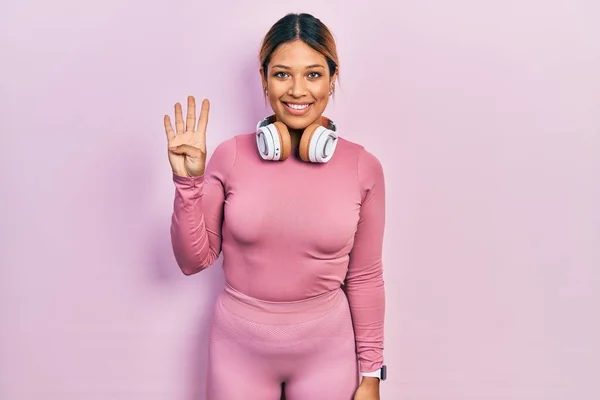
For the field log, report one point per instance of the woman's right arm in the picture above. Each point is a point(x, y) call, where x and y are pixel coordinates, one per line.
point(200, 188)
point(198, 211)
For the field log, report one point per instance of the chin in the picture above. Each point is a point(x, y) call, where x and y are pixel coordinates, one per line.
point(297, 122)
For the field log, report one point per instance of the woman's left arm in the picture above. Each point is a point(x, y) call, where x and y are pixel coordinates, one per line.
point(364, 284)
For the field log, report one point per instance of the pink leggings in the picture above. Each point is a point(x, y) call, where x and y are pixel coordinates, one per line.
point(256, 345)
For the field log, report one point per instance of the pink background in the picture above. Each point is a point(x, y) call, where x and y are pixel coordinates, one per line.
point(485, 115)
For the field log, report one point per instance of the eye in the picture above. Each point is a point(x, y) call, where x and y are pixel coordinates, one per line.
point(314, 75)
point(280, 74)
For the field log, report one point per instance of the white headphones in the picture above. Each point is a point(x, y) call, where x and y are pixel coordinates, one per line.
point(317, 145)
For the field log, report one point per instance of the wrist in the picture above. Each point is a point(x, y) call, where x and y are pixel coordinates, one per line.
point(370, 381)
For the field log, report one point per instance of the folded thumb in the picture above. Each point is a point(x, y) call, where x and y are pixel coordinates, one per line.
point(184, 149)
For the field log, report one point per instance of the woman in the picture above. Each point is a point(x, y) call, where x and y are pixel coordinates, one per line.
point(298, 214)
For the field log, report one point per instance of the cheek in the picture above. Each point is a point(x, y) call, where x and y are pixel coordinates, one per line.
point(276, 90)
point(274, 101)
point(321, 92)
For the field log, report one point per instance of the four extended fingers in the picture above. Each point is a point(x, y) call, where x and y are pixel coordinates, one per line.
point(189, 125)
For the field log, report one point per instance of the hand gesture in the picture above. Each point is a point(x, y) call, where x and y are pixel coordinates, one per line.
point(187, 144)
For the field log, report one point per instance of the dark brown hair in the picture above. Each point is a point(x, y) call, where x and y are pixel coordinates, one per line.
point(303, 27)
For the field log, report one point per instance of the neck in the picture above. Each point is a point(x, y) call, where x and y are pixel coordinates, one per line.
point(295, 135)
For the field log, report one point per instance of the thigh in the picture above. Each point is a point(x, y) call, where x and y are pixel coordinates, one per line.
point(331, 369)
point(328, 378)
point(233, 375)
point(234, 372)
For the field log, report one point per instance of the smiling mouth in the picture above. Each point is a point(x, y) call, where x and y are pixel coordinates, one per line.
point(297, 108)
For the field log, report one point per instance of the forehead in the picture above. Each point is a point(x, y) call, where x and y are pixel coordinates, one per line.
point(297, 54)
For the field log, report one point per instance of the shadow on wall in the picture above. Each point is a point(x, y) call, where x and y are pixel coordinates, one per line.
point(163, 268)
point(207, 285)
point(198, 355)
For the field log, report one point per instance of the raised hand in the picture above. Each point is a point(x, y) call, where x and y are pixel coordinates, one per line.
point(187, 144)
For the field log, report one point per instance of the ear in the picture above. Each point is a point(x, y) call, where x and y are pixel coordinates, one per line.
point(334, 76)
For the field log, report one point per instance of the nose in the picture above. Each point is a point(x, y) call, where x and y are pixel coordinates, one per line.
point(297, 88)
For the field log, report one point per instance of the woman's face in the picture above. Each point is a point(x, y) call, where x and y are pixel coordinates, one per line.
point(298, 84)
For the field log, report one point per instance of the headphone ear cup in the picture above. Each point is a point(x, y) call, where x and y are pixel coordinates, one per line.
point(307, 135)
point(267, 141)
point(284, 139)
point(317, 144)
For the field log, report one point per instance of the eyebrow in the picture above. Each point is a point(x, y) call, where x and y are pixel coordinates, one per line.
point(307, 67)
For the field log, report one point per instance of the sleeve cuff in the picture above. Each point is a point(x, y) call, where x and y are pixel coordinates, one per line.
point(187, 181)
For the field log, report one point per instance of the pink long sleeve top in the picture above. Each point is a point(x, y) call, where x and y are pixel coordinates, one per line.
point(290, 230)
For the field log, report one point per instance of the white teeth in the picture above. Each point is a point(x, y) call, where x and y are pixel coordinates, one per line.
point(298, 106)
